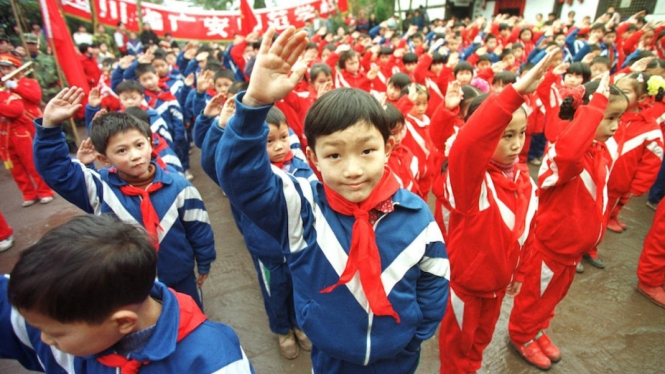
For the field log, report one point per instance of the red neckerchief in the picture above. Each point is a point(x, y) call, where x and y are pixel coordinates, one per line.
point(520, 187)
point(191, 317)
point(364, 254)
point(211, 92)
point(158, 144)
point(164, 95)
point(148, 213)
point(287, 158)
point(163, 81)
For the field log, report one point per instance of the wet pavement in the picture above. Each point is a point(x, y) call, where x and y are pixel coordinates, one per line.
point(603, 326)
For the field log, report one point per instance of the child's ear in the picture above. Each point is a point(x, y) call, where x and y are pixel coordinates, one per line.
point(389, 147)
point(311, 155)
point(125, 321)
point(104, 160)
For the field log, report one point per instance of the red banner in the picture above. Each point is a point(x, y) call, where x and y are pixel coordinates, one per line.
point(195, 24)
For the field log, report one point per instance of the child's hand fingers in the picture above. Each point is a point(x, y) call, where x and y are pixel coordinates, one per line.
point(267, 41)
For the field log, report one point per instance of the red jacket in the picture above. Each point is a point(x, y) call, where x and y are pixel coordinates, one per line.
point(490, 214)
point(31, 96)
point(572, 187)
point(418, 140)
point(90, 69)
point(436, 84)
point(405, 168)
point(641, 154)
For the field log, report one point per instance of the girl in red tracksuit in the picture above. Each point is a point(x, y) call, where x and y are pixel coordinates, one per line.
point(349, 73)
point(640, 141)
point(493, 201)
point(570, 220)
point(401, 161)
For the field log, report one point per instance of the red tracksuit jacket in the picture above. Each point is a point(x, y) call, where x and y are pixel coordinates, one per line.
point(491, 214)
point(572, 187)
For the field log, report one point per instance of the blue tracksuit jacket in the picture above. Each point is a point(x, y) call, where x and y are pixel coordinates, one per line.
point(185, 234)
point(316, 239)
point(211, 348)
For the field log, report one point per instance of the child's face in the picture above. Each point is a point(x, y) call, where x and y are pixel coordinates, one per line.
point(560, 40)
point(129, 152)
point(656, 71)
point(161, 67)
point(130, 99)
point(351, 161)
point(311, 54)
point(320, 80)
point(610, 123)
point(517, 52)
point(398, 133)
point(647, 38)
point(629, 90)
point(509, 60)
point(222, 85)
point(75, 338)
point(278, 142)
point(491, 44)
point(464, 77)
point(598, 69)
point(420, 105)
point(410, 67)
point(132, 36)
point(248, 52)
point(436, 68)
point(149, 81)
point(483, 65)
point(497, 87)
point(512, 141)
point(324, 54)
point(609, 38)
point(525, 36)
point(417, 42)
point(392, 92)
point(598, 32)
point(352, 65)
point(383, 59)
point(572, 80)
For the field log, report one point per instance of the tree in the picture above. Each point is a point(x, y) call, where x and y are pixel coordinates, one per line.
point(259, 4)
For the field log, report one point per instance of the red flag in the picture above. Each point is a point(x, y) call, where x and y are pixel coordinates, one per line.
point(248, 19)
point(61, 42)
point(343, 5)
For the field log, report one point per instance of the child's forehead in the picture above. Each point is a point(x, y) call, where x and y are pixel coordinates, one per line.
point(129, 93)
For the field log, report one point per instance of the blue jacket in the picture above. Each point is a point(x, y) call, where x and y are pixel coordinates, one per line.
point(211, 348)
point(295, 212)
point(258, 242)
point(185, 233)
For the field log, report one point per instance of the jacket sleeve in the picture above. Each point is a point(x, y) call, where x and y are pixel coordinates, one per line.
point(422, 68)
point(116, 78)
point(209, 145)
point(548, 95)
point(29, 91)
point(432, 288)
point(236, 55)
point(69, 178)
point(130, 72)
point(649, 165)
point(89, 115)
point(475, 145)
point(441, 125)
point(201, 127)
point(267, 196)
point(13, 108)
point(565, 156)
point(177, 125)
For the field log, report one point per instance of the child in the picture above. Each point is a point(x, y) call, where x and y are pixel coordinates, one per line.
point(577, 161)
point(6, 235)
point(349, 74)
point(503, 80)
point(417, 137)
point(463, 73)
point(135, 189)
point(576, 75)
point(401, 161)
point(271, 268)
point(486, 189)
point(83, 299)
point(134, 45)
point(396, 84)
point(640, 141)
point(599, 66)
point(651, 267)
point(357, 220)
point(162, 100)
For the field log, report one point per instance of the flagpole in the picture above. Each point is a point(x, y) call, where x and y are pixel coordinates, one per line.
point(93, 15)
point(20, 27)
point(61, 75)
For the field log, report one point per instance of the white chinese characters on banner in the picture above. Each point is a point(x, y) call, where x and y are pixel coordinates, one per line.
point(305, 13)
point(182, 17)
point(216, 26)
point(155, 19)
point(278, 19)
point(79, 4)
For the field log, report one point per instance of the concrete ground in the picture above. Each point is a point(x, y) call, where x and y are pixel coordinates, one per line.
point(603, 326)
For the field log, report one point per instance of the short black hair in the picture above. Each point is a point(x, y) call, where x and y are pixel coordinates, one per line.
point(385, 51)
point(399, 80)
point(601, 60)
point(139, 113)
point(504, 26)
point(142, 69)
point(597, 26)
point(580, 69)
point(394, 116)
point(224, 73)
point(311, 45)
point(84, 270)
point(236, 87)
point(409, 58)
point(437, 58)
point(83, 47)
point(342, 108)
point(484, 57)
point(505, 77)
point(517, 45)
point(344, 57)
point(105, 126)
point(276, 117)
point(319, 68)
point(129, 86)
point(212, 65)
point(159, 54)
point(462, 66)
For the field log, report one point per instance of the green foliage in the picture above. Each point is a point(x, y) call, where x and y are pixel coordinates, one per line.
point(259, 4)
point(213, 4)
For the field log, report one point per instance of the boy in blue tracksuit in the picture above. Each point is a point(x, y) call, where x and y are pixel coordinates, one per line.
point(369, 267)
point(83, 299)
point(271, 267)
point(134, 188)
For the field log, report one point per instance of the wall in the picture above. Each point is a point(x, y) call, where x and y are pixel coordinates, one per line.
point(587, 8)
point(488, 12)
point(534, 7)
point(435, 8)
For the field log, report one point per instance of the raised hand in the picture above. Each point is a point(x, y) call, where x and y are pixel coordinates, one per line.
point(413, 93)
point(272, 78)
point(214, 106)
point(604, 86)
point(227, 112)
point(126, 62)
point(86, 153)
point(189, 80)
point(373, 72)
point(454, 95)
point(204, 81)
point(641, 64)
point(63, 106)
point(561, 69)
point(530, 81)
point(94, 98)
point(324, 89)
point(147, 57)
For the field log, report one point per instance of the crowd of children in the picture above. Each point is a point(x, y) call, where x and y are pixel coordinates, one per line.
point(327, 148)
